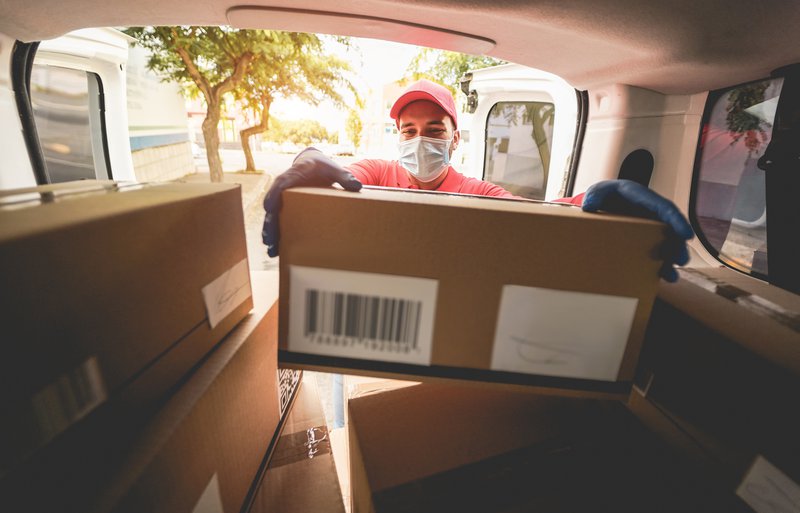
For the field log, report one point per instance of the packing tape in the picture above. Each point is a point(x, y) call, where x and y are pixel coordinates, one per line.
point(746, 300)
point(302, 445)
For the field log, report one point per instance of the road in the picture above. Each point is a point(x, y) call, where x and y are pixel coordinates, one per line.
point(272, 163)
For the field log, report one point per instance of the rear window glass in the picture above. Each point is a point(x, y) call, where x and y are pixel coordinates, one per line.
point(519, 137)
point(729, 197)
point(67, 113)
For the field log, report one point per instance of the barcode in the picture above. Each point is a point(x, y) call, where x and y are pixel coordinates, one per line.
point(68, 399)
point(380, 323)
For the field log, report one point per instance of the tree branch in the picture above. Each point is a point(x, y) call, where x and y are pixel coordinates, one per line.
point(200, 81)
point(238, 74)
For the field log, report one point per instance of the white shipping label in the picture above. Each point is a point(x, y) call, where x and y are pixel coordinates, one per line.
point(225, 293)
point(211, 499)
point(560, 333)
point(361, 315)
point(766, 489)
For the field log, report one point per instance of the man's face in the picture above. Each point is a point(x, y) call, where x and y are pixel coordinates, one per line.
point(429, 120)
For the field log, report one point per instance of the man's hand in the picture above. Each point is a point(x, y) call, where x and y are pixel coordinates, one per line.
point(311, 168)
point(630, 198)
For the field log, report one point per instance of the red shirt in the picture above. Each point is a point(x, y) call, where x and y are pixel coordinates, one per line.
point(389, 173)
point(575, 200)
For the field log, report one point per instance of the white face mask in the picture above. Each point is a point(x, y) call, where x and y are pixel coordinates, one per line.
point(425, 157)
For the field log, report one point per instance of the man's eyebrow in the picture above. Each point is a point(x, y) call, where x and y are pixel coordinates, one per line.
point(429, 123)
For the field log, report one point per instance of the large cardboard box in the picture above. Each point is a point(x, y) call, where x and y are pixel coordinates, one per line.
point(434, 448)
point(760, 317)
point(112, 293)
point(439, 285)
point(301, 476)
point(204, 449)
point(723, 349)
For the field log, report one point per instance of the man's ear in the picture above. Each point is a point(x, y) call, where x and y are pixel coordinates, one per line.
point(456, 140)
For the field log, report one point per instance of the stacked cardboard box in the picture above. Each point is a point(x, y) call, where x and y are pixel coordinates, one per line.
point(301, 476)
point(403, 283)
point(522, 296)
point(112, 295)
point(469, 449)
point(205, 447)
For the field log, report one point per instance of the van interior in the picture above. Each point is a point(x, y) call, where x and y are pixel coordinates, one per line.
point(698, 101)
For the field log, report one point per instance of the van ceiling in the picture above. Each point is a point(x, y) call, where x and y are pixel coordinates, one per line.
point(671, 46)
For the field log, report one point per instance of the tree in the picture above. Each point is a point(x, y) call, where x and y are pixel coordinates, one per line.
point(354, 127)
point(295, 66)
point(210, 61)
point(742, 123)
point(446, 67)
point(302, 132)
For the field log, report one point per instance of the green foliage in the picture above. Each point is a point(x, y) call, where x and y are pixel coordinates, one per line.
point(446, 67)
point(297, 65)
point(743, 124)
point(256, 66)
point(199, 58)
point(211, 61)
point(354, 127)
point(302, 132)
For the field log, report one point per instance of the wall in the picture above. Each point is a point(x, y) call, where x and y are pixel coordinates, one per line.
point(161, 163)
point(158, 123)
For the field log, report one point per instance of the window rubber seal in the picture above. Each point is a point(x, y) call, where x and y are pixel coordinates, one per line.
point(781, 165)
point(582, 97)
point(22, 56)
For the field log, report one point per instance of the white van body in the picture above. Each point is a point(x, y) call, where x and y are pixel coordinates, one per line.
point(104, 52)
point(518, 84)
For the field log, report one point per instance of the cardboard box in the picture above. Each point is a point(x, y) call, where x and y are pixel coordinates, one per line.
point(722, 350)
point(301, 476)
point(359, 386)
point(353, 387)
point(204, 449)
point(111, 291)
point(439, 285)
point(433, 448)
point(760, 317)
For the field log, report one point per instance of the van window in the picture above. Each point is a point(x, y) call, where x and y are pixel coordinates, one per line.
point(519, 137)
point(729, 195)
point(68, 116)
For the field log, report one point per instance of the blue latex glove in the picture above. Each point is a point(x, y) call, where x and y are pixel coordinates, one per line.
point(630, 198)
point(311, 168)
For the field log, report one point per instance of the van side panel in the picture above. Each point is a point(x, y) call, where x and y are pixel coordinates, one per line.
point(15, 167)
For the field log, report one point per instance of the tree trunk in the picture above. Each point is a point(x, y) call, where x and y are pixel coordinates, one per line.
point(213, 96)
point(540, 138)
point(211, 137)
point(246, 133)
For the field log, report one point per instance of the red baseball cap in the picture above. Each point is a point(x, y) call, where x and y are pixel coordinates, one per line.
point(426, 90)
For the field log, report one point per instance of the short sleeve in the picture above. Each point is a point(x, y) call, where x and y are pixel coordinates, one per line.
point(574, 200)
point(475, 186)
point(367, 171)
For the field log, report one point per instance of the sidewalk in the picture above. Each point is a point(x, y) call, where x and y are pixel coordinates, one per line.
point(254, 185)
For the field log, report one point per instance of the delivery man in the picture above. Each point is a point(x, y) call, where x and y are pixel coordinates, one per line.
point(426, 117)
